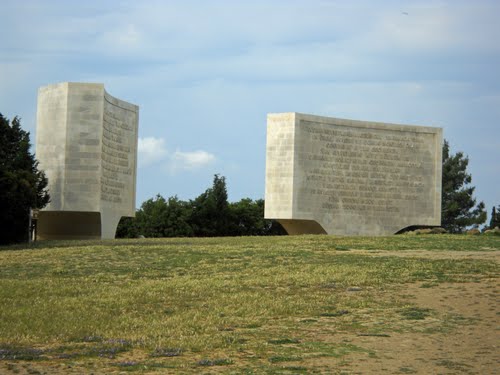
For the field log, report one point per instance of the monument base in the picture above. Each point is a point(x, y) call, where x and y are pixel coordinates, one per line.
point(73, 225)
point(294, 227)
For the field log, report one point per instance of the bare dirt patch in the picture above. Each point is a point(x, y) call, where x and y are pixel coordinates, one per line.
point(489, 254)
point(459, 334)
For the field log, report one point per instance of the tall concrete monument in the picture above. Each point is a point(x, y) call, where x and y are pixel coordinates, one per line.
point(346, 177)
point(86, 143)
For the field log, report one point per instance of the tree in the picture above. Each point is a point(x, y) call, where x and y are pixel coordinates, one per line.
point(157, 217)
point(458, 207)
point(495, 218)
point(247, 219)
point(208, 215)
point(22, 185)
point(151, 217)
point(177, 218)
point(210, 211)
point(127, 228)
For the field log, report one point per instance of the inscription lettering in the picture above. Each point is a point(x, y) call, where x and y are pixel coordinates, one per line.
point(362, 171)
point(117, 160)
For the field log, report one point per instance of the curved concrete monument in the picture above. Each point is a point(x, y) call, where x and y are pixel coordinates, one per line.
point(87, 145)
point(347, 177)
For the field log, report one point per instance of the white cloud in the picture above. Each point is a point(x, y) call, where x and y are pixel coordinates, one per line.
point(151, 150)
point(191, 160)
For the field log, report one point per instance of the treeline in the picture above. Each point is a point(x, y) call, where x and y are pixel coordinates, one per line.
point(208, 215)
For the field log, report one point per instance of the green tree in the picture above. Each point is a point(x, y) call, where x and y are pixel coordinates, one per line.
point(209, 214)
point(247, 219)
point(22, 185)
point(458, 206)
point(495, 217)
point(151, 217)
point(210, 211)
point(177, 218)
point(159, 217)
point(127, 228)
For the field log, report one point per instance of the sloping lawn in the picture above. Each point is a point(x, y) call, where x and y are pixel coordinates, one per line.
point(242, 305)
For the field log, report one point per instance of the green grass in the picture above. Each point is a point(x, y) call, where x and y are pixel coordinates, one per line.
point(241, 303)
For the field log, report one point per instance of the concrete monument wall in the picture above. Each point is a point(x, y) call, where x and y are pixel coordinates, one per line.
point(87, 145)
point(347, 177)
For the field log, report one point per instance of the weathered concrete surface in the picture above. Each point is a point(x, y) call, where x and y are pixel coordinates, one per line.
point(87, 145)
point(347, 177)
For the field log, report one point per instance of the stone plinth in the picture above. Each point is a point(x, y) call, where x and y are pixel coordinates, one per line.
point(347, 177)
point(87, 145)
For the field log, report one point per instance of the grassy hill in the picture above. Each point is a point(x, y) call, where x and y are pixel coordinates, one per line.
point(244, 305)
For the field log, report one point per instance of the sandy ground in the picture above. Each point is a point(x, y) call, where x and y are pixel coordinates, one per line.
point(490, 254)
point(469, 346)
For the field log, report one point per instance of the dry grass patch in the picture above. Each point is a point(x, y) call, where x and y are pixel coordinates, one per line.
point(251, 305)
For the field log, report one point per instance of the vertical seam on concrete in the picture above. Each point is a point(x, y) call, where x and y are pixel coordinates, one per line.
point(268, 195)
point(101, 153)
point(66, 120)
point(135, 159)
point(100, 174)
point(296, 120)
point(266, 178)
point(439, 173)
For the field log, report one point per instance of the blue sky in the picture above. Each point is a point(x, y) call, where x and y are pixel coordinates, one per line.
point(206, 73)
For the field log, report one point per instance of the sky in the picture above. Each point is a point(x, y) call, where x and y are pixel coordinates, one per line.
point(206, 73)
